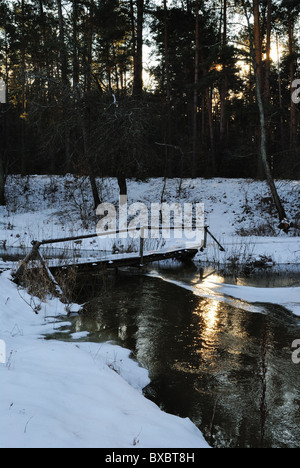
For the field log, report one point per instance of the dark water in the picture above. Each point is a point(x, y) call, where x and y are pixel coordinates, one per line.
point(229, 370)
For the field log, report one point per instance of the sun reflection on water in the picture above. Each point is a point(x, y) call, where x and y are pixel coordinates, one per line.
point(208, 312)
point(210, 316)
point(207, 334)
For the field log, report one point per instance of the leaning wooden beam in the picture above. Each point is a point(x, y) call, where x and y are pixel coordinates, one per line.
point(58, 291)
point(35, 254)
point(67, 239)
point(107, 233)
point(31, 256)
point(86, 236)
point(217, 242)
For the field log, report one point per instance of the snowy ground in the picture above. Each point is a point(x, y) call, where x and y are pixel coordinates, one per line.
point(56, 394)
point(238, 212)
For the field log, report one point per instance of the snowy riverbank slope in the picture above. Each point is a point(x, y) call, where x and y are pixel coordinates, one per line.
point(68, 394)
point(238, 212)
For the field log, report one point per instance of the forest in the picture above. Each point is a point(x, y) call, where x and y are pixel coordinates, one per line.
point(144, 88)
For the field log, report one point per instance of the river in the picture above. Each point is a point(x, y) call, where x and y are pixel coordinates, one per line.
point(225, 365)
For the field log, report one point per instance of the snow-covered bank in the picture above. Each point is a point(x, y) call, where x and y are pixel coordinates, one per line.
point(74, 394)
point(286, 297)
point(243, 297)
point(238, 212)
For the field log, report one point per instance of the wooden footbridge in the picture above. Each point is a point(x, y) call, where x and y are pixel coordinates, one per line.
point(111, 262)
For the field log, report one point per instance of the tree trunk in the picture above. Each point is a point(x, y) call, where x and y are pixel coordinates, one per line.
point(293, 111)
point(133, 32)
point(44, 32)
point(166, 46)
point(63, 50)
point(211, 130)
point(284, 224)
point(208, 101)
point(257, 42)
point(95, 193)
point(88, 161)
point(89, 60)
point(268, 53)
point(195, 99)
point(138, 59)
point(168, 120)
point(224, 84)
point(270, 181)
point(23, 81)
point(280, 98)
point(122, 185)
point(257, 51)
point(65, 82)
point(75, 44)
point(2, 181)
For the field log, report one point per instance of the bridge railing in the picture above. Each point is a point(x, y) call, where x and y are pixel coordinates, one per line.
point(35, 253)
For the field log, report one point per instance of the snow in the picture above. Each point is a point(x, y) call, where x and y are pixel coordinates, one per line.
point(82, 394)
point(286, 297)
point(58, 394)
point(209, 290)
point(45, 207)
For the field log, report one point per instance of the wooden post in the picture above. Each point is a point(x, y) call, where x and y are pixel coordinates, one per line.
point(205, 239)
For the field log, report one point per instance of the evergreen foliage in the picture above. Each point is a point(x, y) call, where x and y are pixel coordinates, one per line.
point(75, 101)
